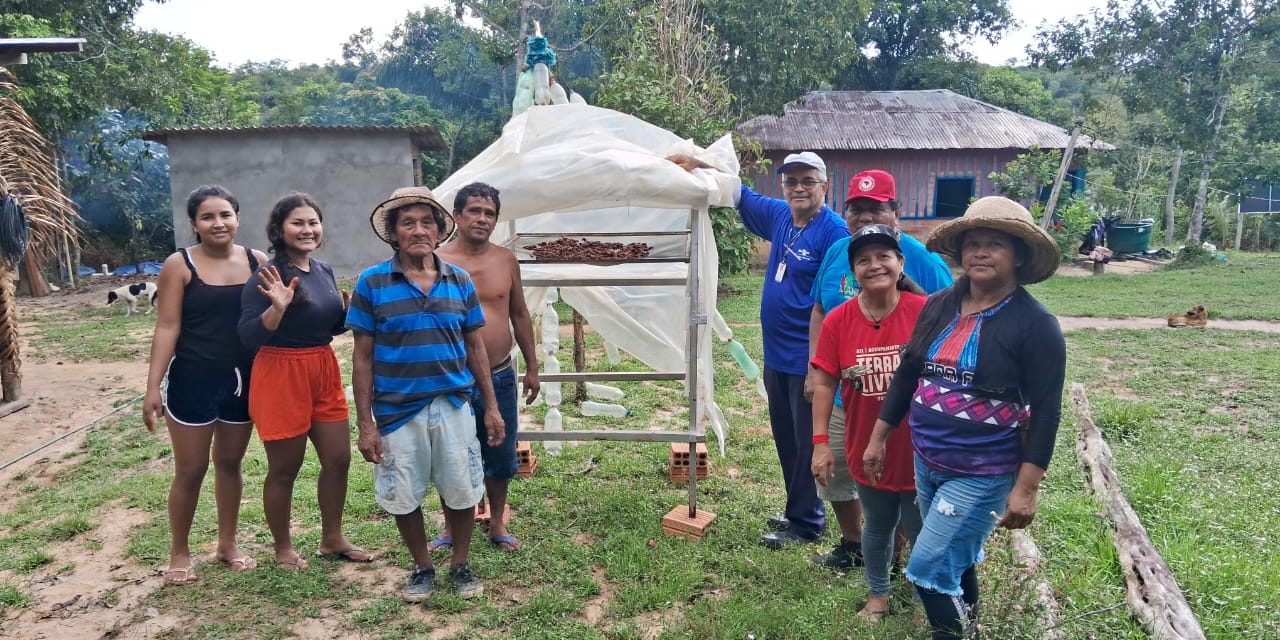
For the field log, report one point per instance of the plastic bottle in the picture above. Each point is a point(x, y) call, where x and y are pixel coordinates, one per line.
point(550, 331)
point(720, 327)
point(551, 390)
point(748, 366)
point(558, 95)
point(604, 392)
point(760, 388)
point(611, 352)
point(541, 84)
point(351, 394)
point(524, 92)
point(554, 422)
point(592, 408)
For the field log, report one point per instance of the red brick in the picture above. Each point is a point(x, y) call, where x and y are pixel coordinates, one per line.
point(677, 523)
point(678, 462)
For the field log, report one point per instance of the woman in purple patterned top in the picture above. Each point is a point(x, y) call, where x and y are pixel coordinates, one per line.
point(980, 383)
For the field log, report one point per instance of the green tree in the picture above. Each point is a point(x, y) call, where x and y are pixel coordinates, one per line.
point(910, 37)
point(167, 79)
point(774, 55)
point(669, 75)
point(1023, 177)
point(1180, 58)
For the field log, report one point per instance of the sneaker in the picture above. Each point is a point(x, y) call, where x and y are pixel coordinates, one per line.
point(419, 585)
point(779, 539)
point(845, 555)
point(778, 523)
point(467, 584)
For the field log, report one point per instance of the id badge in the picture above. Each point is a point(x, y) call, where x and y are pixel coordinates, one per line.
point(782, 271)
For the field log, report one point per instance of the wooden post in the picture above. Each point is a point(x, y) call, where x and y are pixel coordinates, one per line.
point(579, 353)
point(1150, 586)
point(1239, 224)
point(10, 360)
point(1027, 555)
point(1168, 199)
point(1067, 155)
point(33, 283)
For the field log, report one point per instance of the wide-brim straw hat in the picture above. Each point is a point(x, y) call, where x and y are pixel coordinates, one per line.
point(1001, 214)
point(403, 197)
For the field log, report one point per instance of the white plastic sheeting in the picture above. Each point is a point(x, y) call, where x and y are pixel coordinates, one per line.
point(577, 169)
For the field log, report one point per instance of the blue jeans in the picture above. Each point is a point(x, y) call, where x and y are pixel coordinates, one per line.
point(882, 510)
point(791, 418)
point(500, 461)
point(956, 511)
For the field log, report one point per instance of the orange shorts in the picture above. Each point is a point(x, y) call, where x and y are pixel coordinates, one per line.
point(290, 389)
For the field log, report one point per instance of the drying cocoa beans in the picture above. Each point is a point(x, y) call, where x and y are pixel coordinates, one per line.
point(571, 250)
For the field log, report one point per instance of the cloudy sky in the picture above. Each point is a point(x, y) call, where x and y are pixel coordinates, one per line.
point(306, 31)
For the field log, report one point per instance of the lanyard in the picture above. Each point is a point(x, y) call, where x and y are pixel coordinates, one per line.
point(793, 238)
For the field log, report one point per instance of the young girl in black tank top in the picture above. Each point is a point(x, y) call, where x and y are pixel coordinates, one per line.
point(198, 380)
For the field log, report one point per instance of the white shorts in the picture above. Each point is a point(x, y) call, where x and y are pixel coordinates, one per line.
point(437, 446)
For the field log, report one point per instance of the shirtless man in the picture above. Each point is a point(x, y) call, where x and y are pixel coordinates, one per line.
point(496, 275)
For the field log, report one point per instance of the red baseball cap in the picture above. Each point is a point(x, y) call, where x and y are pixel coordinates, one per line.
point(874, 184)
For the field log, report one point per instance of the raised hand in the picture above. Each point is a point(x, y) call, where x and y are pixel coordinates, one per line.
point(274, 288)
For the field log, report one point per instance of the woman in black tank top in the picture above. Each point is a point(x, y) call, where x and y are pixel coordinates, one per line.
point(199, 375)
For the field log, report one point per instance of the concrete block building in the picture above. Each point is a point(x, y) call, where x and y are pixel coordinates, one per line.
point(347, 169)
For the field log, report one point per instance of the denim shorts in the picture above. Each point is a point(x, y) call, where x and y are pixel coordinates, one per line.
point(840, 487)
point(956, 510)
point(437, 446)
point(500, 461)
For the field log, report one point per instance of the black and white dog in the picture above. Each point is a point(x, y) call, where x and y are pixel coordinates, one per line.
point(131, 293)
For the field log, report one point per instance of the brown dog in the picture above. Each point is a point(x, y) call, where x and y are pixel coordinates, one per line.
point(1196, 317)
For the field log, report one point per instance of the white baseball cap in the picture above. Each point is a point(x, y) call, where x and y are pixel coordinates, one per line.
point(803, 159)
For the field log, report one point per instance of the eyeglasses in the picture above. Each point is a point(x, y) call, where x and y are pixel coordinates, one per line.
point(807, 183)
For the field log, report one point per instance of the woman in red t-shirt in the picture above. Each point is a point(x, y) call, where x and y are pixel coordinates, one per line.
point(860, 344)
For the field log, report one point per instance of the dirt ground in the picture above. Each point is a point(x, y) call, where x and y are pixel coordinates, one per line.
point(64, 395)
point(1124, 268)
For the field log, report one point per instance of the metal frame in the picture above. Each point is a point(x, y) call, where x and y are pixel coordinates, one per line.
point(697, 318)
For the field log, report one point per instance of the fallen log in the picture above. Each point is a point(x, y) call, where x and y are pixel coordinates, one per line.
point(1027, 554)
point(1150, 587)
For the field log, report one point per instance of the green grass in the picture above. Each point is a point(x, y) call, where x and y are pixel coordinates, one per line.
point(101, 334)
point(1196, 456)
point(12, 597)
point(1245, 289)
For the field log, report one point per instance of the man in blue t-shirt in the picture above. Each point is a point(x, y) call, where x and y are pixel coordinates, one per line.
point(872, 198)
point(801, 230)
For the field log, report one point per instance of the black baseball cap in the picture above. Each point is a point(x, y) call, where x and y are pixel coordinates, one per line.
point(874, 234)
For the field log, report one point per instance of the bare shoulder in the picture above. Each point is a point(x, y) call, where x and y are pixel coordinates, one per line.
point(174, 270)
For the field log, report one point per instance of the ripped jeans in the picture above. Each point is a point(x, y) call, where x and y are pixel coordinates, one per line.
point(956, 510)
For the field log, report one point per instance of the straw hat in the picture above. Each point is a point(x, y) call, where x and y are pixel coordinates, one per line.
point(404, 197)
point(1001, 214)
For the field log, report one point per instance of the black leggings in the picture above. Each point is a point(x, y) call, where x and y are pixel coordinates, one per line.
point(951, 617)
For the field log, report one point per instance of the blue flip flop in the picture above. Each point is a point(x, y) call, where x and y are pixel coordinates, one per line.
point(506, 539)
point(439, 542)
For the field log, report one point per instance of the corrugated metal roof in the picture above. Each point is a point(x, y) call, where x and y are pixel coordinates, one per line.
point(425, 136)
point(932, 119)
point(41, 45)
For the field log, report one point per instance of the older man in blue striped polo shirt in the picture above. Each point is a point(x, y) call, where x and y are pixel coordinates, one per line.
point(417, 356)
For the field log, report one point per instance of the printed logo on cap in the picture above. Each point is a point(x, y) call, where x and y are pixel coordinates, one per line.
point(867, 183)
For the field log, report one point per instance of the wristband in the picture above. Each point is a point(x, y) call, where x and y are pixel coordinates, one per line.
point(821, 438)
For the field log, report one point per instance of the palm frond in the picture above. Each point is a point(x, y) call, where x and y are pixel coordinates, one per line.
point(28, 171)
